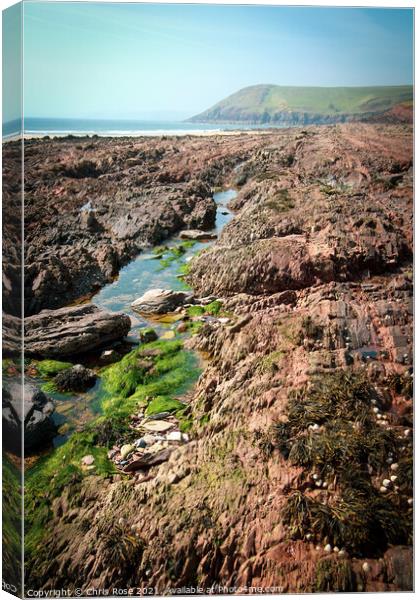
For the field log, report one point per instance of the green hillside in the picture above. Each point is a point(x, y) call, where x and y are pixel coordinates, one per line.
point(274, 103)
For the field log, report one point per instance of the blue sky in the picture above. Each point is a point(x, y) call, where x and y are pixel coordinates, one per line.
point(156, 61)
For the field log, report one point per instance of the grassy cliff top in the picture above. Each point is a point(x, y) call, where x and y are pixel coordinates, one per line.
point(257, 100)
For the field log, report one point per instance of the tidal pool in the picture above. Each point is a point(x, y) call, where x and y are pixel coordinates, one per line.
point(149, 270)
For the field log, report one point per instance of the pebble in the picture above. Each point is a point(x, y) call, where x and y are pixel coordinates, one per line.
point(383, 489)
point(342, 553)
point(126, 449)
point(159, 426)
point(394, 478)
point(149, 439)
point(366, 567)
point(173, 478)
point(140, 443)
point(315, 476)
point(410, 501)
point(185, 437)
point(160, 416)
point(336, 549)
point(88, 460)
point(407, 432)
point(168, 335)
point(328, 548)
point(314, 427)
point(394, 467)
point(174, 436)
point(224, 320)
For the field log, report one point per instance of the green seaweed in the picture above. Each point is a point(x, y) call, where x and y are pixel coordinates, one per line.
point(174, 253)
point(49, 368)
point(49, 387)
point(161, 404)
point(334, 575)
point(196, 311)
point(195, 327)
point(214, 308)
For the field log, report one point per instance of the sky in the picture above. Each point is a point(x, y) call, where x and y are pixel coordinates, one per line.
point(172, 61)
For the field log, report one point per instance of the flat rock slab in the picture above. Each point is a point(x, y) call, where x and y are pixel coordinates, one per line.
point(158, 301)
point(158, 426)
point(72, 330)
point(197, 234)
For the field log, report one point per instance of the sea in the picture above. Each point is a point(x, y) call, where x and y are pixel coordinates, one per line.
point(113, 127)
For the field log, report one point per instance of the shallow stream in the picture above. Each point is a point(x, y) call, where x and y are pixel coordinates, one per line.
point(151, 269)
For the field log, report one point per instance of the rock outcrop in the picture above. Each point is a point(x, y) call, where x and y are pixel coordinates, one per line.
point(72, 330)
point(160, 301)
point(34, 409)
point(75, 379)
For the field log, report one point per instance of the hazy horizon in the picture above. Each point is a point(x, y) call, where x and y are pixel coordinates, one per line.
point(170, 62)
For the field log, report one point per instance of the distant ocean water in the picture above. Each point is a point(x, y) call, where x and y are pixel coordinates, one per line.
point(114, 127)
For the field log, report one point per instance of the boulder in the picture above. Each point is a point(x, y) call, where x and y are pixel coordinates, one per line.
point(32, 407)
point(148, 334)
point(158, 301)
point(109, 356)
point(72, 330)
point(197, 234)
point(75, 379)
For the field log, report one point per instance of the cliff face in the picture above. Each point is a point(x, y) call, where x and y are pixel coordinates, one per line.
point(302, 435)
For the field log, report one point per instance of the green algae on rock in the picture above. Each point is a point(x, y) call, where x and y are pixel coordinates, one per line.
point(49, 368)
point(126, 385)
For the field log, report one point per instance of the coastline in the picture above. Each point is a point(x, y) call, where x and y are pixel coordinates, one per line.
point(138, 134)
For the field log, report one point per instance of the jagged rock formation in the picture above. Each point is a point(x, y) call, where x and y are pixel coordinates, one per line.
point(315, 272)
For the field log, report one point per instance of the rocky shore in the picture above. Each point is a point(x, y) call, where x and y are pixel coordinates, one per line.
point(92, 204)
point(289, 462)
